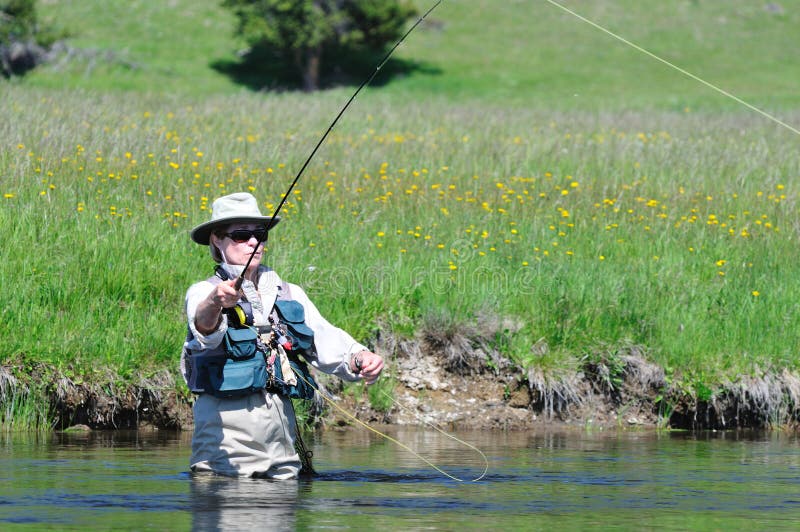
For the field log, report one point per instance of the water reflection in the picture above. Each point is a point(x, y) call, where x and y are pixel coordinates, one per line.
point(221, 503)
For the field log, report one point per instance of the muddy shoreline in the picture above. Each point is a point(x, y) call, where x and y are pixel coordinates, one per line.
point(446, 385)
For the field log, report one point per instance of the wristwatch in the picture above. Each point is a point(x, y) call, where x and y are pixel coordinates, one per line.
point(357, 362)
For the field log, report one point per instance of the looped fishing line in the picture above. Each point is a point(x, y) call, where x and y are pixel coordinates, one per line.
point(442, 431)
point(404, 446)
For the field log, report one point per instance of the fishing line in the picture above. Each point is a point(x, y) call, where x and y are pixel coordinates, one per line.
point(679, 69)
point(331, 402)
point(383, 61)
point(441, 431)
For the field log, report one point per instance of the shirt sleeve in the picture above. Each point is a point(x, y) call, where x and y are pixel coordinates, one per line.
point(199, 341)
point(334, 347)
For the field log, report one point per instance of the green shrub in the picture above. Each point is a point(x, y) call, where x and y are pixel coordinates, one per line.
point(302, 32)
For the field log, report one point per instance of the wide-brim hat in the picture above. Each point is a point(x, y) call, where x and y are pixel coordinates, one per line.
point(240, 207)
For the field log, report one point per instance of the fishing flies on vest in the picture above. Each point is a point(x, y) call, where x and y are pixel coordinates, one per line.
point(279, 333)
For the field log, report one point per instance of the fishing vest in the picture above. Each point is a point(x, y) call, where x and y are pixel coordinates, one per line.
point(250, 359)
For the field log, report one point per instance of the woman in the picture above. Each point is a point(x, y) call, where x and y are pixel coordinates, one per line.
point(244, 421)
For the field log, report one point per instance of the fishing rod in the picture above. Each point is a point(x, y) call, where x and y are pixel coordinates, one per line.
point(272, 221)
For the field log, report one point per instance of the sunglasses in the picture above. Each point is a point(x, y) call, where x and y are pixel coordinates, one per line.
point(244, 235)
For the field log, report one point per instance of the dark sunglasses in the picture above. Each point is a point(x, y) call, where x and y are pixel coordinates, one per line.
point(244, 235)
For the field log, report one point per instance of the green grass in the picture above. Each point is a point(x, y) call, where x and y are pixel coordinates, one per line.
point(532, 168)
point(24, 404)
point(146, 46)
point(520, 53)
point(585, 231)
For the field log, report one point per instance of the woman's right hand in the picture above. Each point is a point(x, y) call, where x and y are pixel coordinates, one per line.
point(224, 295)
point(209, 311)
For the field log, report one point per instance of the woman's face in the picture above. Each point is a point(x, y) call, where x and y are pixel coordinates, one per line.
point(237, 242)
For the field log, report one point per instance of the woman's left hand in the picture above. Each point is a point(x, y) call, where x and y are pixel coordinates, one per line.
point(368, 365)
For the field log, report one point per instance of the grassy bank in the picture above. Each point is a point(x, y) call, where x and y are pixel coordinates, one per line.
point(642, 210)
point(584, 230)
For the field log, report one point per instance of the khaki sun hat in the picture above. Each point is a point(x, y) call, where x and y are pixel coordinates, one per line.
point(240, 207)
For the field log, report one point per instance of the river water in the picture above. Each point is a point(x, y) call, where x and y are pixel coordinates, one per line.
point(535, 480)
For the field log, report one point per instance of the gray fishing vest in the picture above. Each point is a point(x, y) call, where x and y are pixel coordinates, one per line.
point(241, 363)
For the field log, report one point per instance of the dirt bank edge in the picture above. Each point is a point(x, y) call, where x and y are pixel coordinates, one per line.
point(444, 385)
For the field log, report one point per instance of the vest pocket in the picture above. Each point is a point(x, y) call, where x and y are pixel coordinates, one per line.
point(235, 378)
point(241, 343)
point(293, 316)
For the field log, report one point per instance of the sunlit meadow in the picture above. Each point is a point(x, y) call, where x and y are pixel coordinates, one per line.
point(676, 232)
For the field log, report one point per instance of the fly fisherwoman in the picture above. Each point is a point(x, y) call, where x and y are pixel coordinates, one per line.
point(246, 332)
point(242, 355)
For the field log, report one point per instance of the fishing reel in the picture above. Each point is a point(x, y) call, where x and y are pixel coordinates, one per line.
point(240, 316)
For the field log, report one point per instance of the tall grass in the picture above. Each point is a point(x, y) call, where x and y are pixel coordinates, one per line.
point(675, 231)
point(24, 404)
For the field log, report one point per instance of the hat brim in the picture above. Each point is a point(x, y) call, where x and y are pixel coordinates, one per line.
point(202, 233)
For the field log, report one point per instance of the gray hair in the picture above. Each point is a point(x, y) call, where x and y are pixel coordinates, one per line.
point(216, 254)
